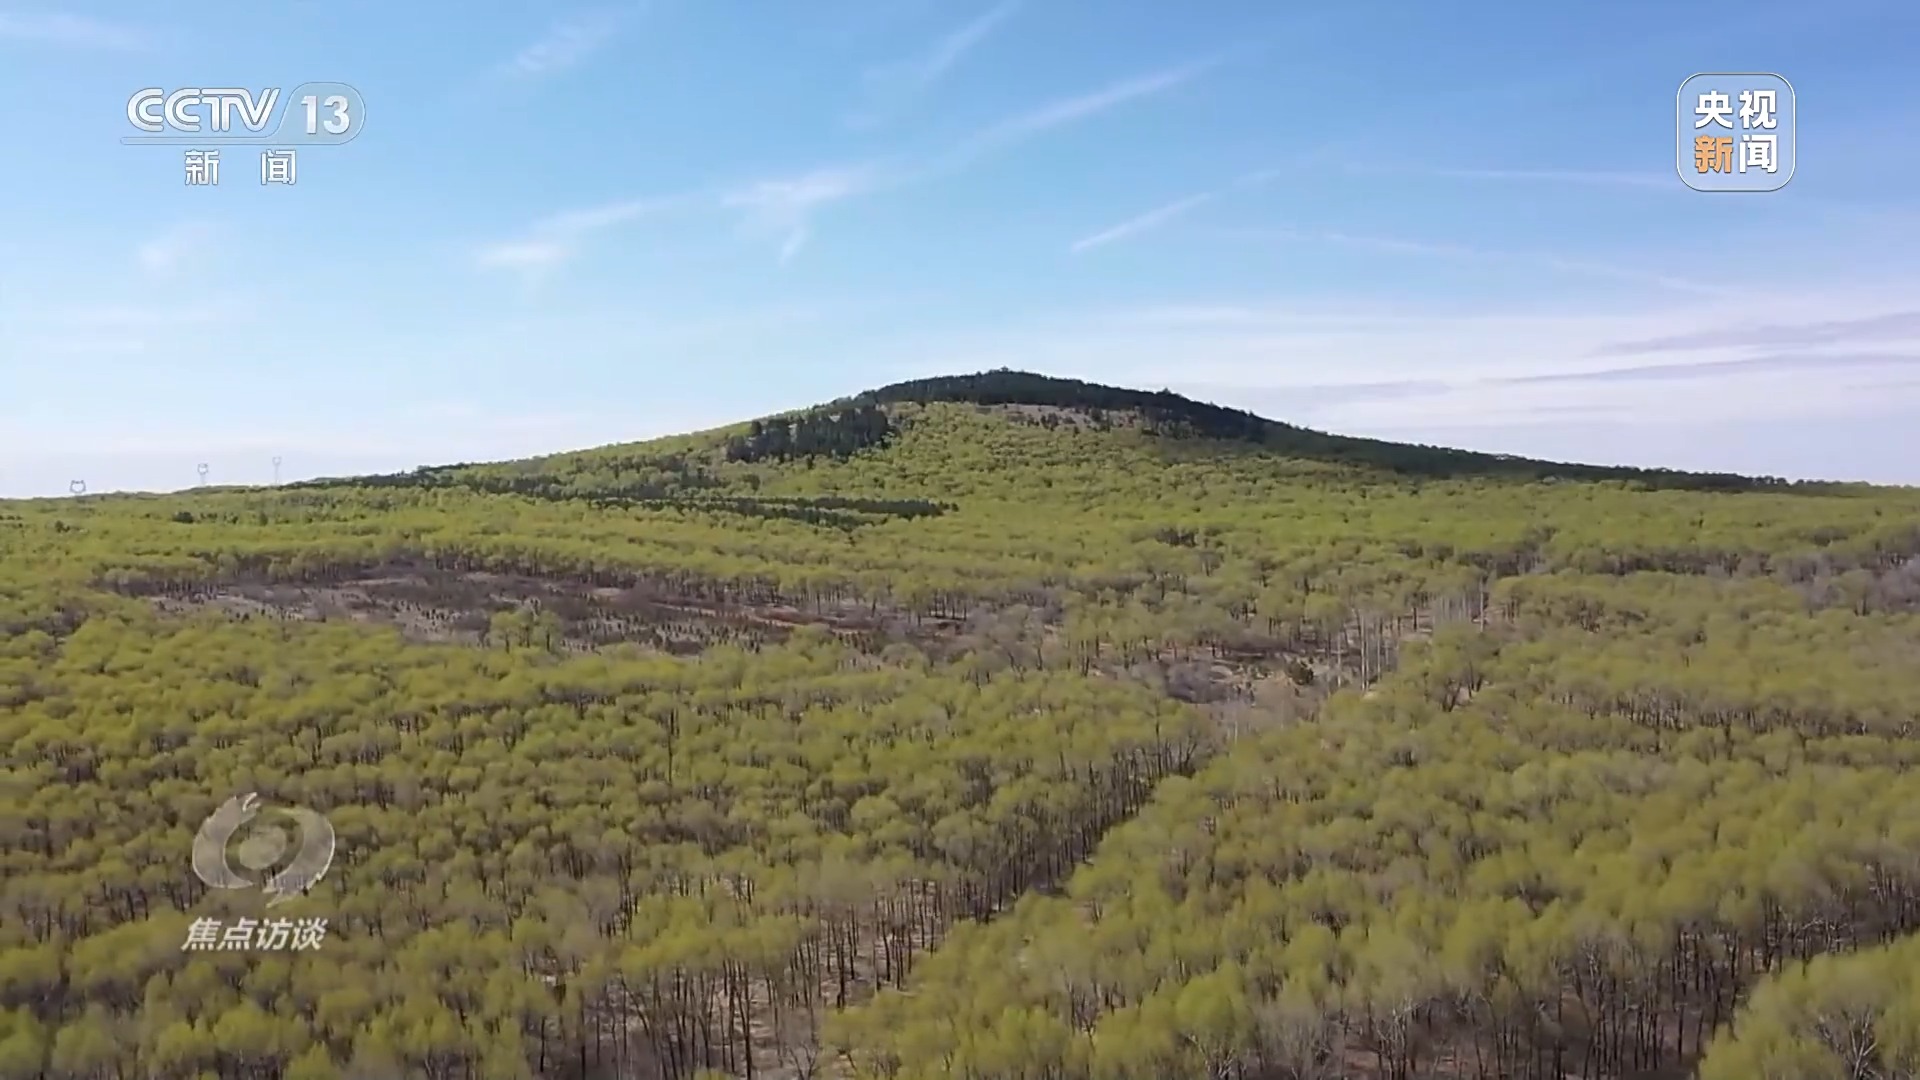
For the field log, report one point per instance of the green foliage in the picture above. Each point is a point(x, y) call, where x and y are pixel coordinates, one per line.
point(1167, 413)
point(1833, 1016)
point(997, 745)
point(839, 433)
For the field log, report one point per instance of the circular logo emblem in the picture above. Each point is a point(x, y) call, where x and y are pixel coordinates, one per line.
point(264, 846)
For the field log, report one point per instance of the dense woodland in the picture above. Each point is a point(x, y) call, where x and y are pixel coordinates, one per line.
point(997, 727)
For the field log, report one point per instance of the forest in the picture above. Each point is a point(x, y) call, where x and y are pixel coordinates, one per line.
point(987, 727)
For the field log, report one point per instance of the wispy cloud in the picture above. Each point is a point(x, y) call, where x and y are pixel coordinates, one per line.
point(1589, 177)
point(178, 245)
point(786, 201)
point(1259, 178)
point(782, 206)
point(73, 31)
point(574, 223)
point(786, 206)
point(524, 255)
point(1246, 317)
point(1437, 249)
point(1857, 214)
point(1291, 400)
point(796, 240)
point(1875, 216)
point(1134, 226)
point(1071, 110)
point(92, 340)
point(1321, 157)
point(566, 44)
point(1879, 217)
point(1585, 267)
point(1893, 326)
point(1361, 365)
point(892, 87)
point(1773, 362)
point(1066, 111)
point(554, 240)
point(957, 44)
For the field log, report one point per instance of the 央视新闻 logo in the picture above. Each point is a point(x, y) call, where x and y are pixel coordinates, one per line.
point(1735, 132)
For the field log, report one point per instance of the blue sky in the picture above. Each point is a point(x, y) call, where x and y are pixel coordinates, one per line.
point(564, 226)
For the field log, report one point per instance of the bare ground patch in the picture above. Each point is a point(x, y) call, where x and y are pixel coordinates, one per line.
point(465, 608)
point(484, 609)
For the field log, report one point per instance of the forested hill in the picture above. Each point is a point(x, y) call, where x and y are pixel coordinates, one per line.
point(686, 470)
point(994, 728)
point(1169, 413)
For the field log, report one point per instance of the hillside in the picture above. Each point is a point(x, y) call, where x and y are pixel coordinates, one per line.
point(1169, 413)
point(993, 726)
point(864, 422)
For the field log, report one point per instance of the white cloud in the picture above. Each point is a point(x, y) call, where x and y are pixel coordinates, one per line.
point(787, 200)
point(787, 205)
point(782, 206)
point(1878, 216)
point(893, 86)
point(595, 218)
point(554, 240)
point(1586, 177)
point(524, 254)
point(1365, 367)
point(1134, 226)
point(77, 31)
point(91, 341)
point(1786, 396)
point(566, 44)
point(177, 246)
point(795, 241)
point(1072, 110)
point(1154, 219)
point(793, 195)
point(957, 44)
point(1439, 249)
point(1417, 369)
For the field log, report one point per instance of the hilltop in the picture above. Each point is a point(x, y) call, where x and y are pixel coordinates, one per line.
point(1166, 413)
point(994, 725)
point(871, 419)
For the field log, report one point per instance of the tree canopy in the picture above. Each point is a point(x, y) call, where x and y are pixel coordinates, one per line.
point(986, 727)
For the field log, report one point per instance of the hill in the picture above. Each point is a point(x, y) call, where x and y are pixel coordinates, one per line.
point(863, 422)
point(995, 726)
point(1168, 413)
